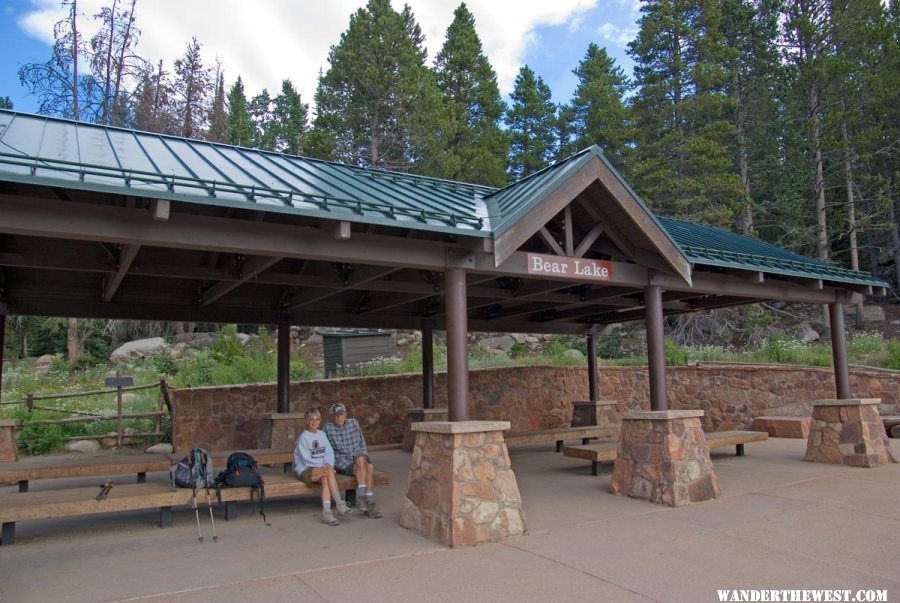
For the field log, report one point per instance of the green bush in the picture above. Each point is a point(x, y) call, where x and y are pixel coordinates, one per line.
point(893, 354)
point(227, 347)
point(866, 343)
point(36, 438)
point(675, 355)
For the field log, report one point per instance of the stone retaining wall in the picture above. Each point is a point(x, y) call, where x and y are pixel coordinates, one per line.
point(529, 397)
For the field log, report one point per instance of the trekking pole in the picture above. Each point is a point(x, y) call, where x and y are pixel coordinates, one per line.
point(211, 519)
point(197, 514)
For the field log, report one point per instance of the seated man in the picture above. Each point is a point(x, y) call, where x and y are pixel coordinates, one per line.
point(351, 457)
point(314, 462)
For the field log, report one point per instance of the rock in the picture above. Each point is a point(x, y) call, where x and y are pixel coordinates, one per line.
point(314, 339)
point(109, 441)
point(532, 340)
point(161, 448)
point(83, 446)
point(573, 354)
point(873, 313)
point(42, 364)
point(139, 348)
point(805, 333)
point(520, 337)
point(196, 340)
point(403, 341)
point(504, 342)
point(244, 339)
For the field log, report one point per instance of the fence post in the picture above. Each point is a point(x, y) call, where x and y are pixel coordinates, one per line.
point(29, 402)
point(159, 405)
point(119, 416)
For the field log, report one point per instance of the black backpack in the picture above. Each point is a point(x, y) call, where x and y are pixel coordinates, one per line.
point(242, 470)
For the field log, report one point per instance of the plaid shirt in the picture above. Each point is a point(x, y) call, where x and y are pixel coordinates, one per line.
point(347, 441)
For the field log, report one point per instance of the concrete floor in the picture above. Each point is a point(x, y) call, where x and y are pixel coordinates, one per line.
point(781, 523)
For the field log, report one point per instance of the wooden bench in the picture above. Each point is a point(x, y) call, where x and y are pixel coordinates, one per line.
point(25, 470)
point(784, 427)
point(559, 435)
point(69, 502)
point(606, 449)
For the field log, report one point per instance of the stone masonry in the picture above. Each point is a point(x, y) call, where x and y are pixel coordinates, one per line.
point(602, 413)
point(420, 415)
point(9, 450)
point(848, 432)
point(461, 489)
point(529, 397)
point(663, 457)
point(280, 430)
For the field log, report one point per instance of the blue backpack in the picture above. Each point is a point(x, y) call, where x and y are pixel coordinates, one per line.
point(242, 470)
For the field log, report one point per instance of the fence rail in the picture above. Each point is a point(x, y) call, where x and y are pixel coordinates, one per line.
point(163, 408)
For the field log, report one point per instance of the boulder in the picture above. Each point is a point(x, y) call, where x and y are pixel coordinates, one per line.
point(139, 348)
point(504, 342)
point(42, 364)
point(161, 448)
point(110, 440)
point(805, 333)
point(873, 314)
point(196, 340)
point(83, 446)
point(573, 354)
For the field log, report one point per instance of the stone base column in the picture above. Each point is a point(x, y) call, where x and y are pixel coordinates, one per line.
point(602, 413)
point(461, 489)
point(663, 457)
point(848, 432)
point(9, 448)
point(280, 430)
point(419, 415)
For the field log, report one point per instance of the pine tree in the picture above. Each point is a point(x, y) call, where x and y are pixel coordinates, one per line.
point(6, 102)
point(378, 104)
point(192, 88)
point(260, 109)
point(240, 128)
point(531, 120)
point(476, 146)
point(152, 104)
point(114, 63)
point(597, 113)
point(218, 113)
point(684, 166)
point(290, 115)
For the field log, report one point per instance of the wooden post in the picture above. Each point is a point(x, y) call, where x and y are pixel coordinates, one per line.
point(284, 367)
point(2, 343)
point(119, 423)
point(427, 364)
point(656, 347)
point(839, 351)
point(592, 366)
point(457, 353)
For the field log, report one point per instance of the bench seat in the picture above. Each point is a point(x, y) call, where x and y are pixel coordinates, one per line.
point(25, 470)
point(607, 448)
point(69, 502)
point(559, 435)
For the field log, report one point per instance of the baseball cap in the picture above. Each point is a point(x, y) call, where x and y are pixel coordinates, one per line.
point(337, 409)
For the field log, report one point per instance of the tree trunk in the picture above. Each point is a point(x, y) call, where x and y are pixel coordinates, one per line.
point(74, 60)
point(816, 133)
point(895, 240)
point(851, 217)
point(73, 348)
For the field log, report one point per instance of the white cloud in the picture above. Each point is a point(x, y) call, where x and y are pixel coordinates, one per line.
point(265, 41)
point(620, 36)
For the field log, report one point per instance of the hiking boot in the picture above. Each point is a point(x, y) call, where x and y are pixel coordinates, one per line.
point(372, 511)
point(362, 505)
point(343, 509)
point(329, 519)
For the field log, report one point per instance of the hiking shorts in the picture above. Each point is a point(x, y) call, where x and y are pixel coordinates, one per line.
point(306, 476)
point(350, 469)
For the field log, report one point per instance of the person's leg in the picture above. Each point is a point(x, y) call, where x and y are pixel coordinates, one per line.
point(371, 509)
point(320, 475)
point(359, 472)
point(342, 507)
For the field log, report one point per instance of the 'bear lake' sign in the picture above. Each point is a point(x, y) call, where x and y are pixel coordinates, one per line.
point(550, 265)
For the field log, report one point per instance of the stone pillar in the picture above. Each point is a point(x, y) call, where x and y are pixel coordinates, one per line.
point(848, 432)
point(9, 449)
point(420, 415)
point(280, 430)
point(602, 413)
point(462, 489)
point(663, 457)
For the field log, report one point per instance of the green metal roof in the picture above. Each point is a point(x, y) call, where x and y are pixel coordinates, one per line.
point(45, 150)
point(716, 247)
point(50, 151)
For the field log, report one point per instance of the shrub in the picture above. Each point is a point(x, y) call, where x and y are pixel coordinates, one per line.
point(37, 439)
point(675, 355)
point(227, 347)
point(866, 343)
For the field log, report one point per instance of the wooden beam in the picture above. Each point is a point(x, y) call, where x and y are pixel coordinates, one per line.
point(550, 241)
point(160, 209)
point(249, 271)
point(570, 237)
point(357, 280)
point(588, 240)
point(126, 258)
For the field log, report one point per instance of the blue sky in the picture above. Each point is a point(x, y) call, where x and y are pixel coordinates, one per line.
point(266, 41)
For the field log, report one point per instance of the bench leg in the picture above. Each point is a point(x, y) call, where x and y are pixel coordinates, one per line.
point(142, 478)
point(595, 468)
point(23, 485)
point(585, 441)
point(230, 510)
point(739, 450)
point(559, 445)
point(350, 496)
point(165, 517)
point(288, 467)
point(9, 533)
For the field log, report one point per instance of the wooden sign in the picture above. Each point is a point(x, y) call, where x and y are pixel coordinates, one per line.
point(118, 381)
point(557, 265)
